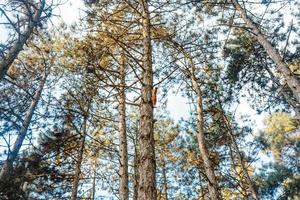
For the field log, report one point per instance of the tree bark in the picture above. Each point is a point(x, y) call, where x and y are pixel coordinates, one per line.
point(23, 38)
point(135, 168)
point(12, 155)
point(147, 163)
point(208, 166)
point(79, 160)
point(292, 81)
point(123, 152)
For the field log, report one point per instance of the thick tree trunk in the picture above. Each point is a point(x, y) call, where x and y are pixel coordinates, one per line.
point(12, 155)
point(23, 38)
point(292, 81)
point(79, 161)
point(123, 152)
point(147, 164)
point(208, 166)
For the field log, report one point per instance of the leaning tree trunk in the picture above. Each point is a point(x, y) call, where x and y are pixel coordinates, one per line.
point(79, 160)
point(147, 165)
point(123, 152)
point(284, 93)
point(250, 183)
point(34, 21)
point(12, 155)
point(292, 81)
point(208, 166)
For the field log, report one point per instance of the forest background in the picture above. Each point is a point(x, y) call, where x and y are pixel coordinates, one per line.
point(149, 99)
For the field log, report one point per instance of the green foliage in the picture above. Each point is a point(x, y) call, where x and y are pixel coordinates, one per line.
point(281, 137)
point(279, 132)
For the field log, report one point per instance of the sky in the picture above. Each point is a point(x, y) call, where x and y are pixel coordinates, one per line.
point(71, 11)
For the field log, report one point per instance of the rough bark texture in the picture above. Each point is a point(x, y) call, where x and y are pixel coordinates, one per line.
point(12, 155)
point(292, 81)
point(147, 165)
point(23, 38)
point(209, 170)
point(123, 152)
point(79, 162)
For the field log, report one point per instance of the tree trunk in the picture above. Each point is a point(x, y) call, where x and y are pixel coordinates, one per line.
point(79, 161)
point(23, 38)
point(123, 152)
point(164, 177)
point(12, 155)
point(208, 167)
point(284, 93)
point(292, 81)
point(135, 169)
point(251, 184)
point(94, 179)
point(147, 165)
point(209, 170)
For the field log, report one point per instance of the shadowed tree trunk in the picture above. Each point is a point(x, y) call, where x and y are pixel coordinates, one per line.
point(147, 165)
point(12, 155)
point(292, 81)
point(123, 152)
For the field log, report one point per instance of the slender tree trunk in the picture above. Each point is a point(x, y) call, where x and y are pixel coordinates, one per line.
point(164, 177)
point(79, 161)
point(135, 169)
point(292, 81)
point(12, 155)
point(136, 179)
point(208, 166)
point(23, 38)
point(147, 164)
point(94, 179)
point(250, 183)
point(123, 170)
